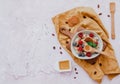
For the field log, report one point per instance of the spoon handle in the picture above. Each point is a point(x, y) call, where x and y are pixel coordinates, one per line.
point(112, 26)
point(112, 11)
point(101, 52)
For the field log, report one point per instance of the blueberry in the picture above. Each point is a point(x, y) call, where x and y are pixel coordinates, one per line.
point(82, 45)
point(74, 44)
point(81, 55)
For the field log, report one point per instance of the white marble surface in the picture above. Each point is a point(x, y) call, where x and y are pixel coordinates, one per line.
point(26, 41)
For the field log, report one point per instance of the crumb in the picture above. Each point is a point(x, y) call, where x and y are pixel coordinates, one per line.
point(100, 14)
point(66, 22)
point(84, 16)
point(61, 52)
point(69, 29)
point(67, 42)
point(76, 72)
point(60, 48)
point(108, 15)
point(75, 69)
point(54, 47)
point(74, 77)
point(95, 73)
point(100, 64)
point(53, 34)
point(98, 6)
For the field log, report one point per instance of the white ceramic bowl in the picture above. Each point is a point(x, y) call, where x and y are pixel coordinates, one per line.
point(100, 44)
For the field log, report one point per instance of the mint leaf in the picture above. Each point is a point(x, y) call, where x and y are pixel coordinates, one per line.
point(94, 45)
point(90, 43)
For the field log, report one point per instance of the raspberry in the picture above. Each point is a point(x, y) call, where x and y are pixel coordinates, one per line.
point(80, 42)
point(80, 48)
point(96, 43)
point(91, 35)
point(80, 35)
point(88, 54)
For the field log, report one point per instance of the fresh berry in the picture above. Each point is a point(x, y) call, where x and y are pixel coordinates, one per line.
point(80, 48)
point(91, 35)
point(81, 55)
point(80, 35)
point(82, 45)
point(80, 42)
point(74, 44)
point(88, 54)
point(96, 42)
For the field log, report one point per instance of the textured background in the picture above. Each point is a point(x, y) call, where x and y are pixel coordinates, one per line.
point(26, 41)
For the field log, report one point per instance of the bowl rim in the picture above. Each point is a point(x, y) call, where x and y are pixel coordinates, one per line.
point(85, 58)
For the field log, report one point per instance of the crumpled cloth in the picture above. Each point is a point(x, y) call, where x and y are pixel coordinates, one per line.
point(88, 19)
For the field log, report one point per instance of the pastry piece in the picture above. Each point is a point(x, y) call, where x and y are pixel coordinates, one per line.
point(73, 21)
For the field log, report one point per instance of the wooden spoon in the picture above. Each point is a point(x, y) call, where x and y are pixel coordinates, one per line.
point(88, 48)
point(112, 11)
point(87, 39)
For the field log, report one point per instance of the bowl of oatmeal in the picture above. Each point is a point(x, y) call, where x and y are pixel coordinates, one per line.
point(83, 38)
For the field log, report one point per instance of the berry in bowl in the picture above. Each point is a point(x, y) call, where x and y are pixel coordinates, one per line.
point(85, 38)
